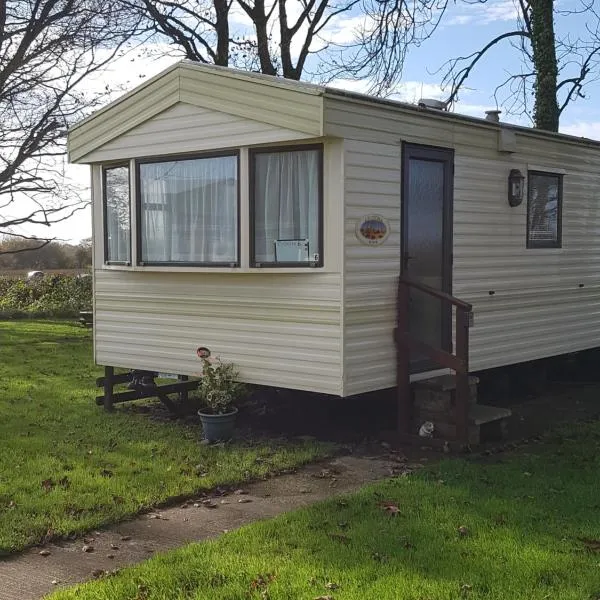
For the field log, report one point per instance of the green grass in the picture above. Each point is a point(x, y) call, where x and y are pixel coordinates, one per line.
point(524, 519)
point(67, 466)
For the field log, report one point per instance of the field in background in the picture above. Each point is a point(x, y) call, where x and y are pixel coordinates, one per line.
point(21, 273)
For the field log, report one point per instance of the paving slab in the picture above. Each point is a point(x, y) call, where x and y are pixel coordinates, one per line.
point(30, 576)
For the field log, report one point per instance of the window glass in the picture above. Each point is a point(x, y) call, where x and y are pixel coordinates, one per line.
point(287, 207)
point(117, 215)
point(189, 211)
point(544, 201)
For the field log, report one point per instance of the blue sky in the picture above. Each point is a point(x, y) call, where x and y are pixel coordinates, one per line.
point(465, 29)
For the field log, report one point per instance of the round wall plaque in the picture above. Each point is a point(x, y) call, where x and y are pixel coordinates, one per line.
point(372, 230)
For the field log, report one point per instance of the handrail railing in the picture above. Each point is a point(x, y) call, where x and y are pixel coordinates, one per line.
point(458, 362)
point(417, 285)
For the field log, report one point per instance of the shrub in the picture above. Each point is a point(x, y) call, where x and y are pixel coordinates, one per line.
point(50, 296)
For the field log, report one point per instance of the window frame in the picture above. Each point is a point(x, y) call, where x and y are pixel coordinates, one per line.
point(533, 244)
point(252, 153)
point(138, 208)
point(105, 168)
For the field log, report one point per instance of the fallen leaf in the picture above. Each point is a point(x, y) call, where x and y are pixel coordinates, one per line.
point(390, 508)
point(240, 492)
point(55, 582)
point(332, 586)
point(87, 548)
point(114, 547)
point(244, 500)
point(45, 552)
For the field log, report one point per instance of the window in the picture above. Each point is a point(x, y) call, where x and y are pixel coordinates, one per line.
point(287, 206)
point(117, 229)
point(544, 208)
point(188, 211)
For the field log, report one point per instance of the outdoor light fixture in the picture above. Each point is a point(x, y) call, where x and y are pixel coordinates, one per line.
point(516, 187)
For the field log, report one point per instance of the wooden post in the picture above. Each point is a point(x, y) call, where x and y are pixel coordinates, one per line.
point(403, 362)
point(109, 373)
point(183, 394)
point(462, 376)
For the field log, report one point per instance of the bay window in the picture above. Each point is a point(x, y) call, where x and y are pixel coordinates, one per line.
point(286, 206)
point(188, 211)
point(117, 218)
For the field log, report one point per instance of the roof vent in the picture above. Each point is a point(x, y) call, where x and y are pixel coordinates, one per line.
point(493, 116)
point(432, 103)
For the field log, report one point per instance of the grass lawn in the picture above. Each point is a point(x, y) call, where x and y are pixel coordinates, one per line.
point(67, 466)
point(524, 527)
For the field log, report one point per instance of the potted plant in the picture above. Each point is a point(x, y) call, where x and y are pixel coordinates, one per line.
point(219, 388)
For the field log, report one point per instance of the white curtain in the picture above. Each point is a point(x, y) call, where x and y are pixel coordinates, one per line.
point(286, 201)
point(189, 211)
point(118, 229)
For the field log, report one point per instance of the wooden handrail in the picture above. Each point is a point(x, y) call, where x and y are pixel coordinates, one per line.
point(458, 361)
point(436, 293)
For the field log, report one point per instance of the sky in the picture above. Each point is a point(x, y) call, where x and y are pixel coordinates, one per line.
point(464, 29)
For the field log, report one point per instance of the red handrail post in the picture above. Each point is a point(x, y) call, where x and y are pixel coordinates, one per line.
point(462, 376)
point(403, 361)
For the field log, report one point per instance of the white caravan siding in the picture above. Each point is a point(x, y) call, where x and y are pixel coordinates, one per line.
point(188, 128)
point(538, 308)
point(279, 103)
point(372, 186)
point(280, 329)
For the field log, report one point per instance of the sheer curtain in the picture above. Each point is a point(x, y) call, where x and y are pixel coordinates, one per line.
point(189, 211)
point(286, 201)
point(118, 230)
point(543, 208)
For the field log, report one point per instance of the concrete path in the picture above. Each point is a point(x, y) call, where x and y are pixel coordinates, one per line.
point(30, 575)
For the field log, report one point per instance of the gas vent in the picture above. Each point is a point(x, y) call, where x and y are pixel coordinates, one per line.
point(432, 103)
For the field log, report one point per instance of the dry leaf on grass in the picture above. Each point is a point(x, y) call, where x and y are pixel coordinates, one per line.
point(390, 508)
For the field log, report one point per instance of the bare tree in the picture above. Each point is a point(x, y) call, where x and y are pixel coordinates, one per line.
point(554, 70)
point(47, 49)
point(275, 37)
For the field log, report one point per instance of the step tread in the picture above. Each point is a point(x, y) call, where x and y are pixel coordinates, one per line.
point(443, 383)
point(483, 413)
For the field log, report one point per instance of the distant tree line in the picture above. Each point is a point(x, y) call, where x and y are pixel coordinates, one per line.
point(26, 254)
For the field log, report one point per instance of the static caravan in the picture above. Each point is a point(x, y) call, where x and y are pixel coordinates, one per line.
point(270, 220)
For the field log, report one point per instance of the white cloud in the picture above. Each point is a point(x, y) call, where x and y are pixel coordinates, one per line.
point(489, 12)
point(589, 129)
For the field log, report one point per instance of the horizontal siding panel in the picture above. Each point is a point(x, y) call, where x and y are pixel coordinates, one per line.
point(280, 329)
point(270, 101)
point(296, 107)
point(372, 186)
point(538, 308)
point(138, 107)
point(187, 128)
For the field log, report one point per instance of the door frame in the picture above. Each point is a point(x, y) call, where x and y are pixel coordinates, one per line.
point(435, 154)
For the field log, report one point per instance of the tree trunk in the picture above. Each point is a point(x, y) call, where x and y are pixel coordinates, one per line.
point(546, 112)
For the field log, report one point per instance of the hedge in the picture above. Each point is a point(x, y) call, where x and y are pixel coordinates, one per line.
point(49, 296)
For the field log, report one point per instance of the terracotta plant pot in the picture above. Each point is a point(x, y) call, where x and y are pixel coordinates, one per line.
point(218, 427)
